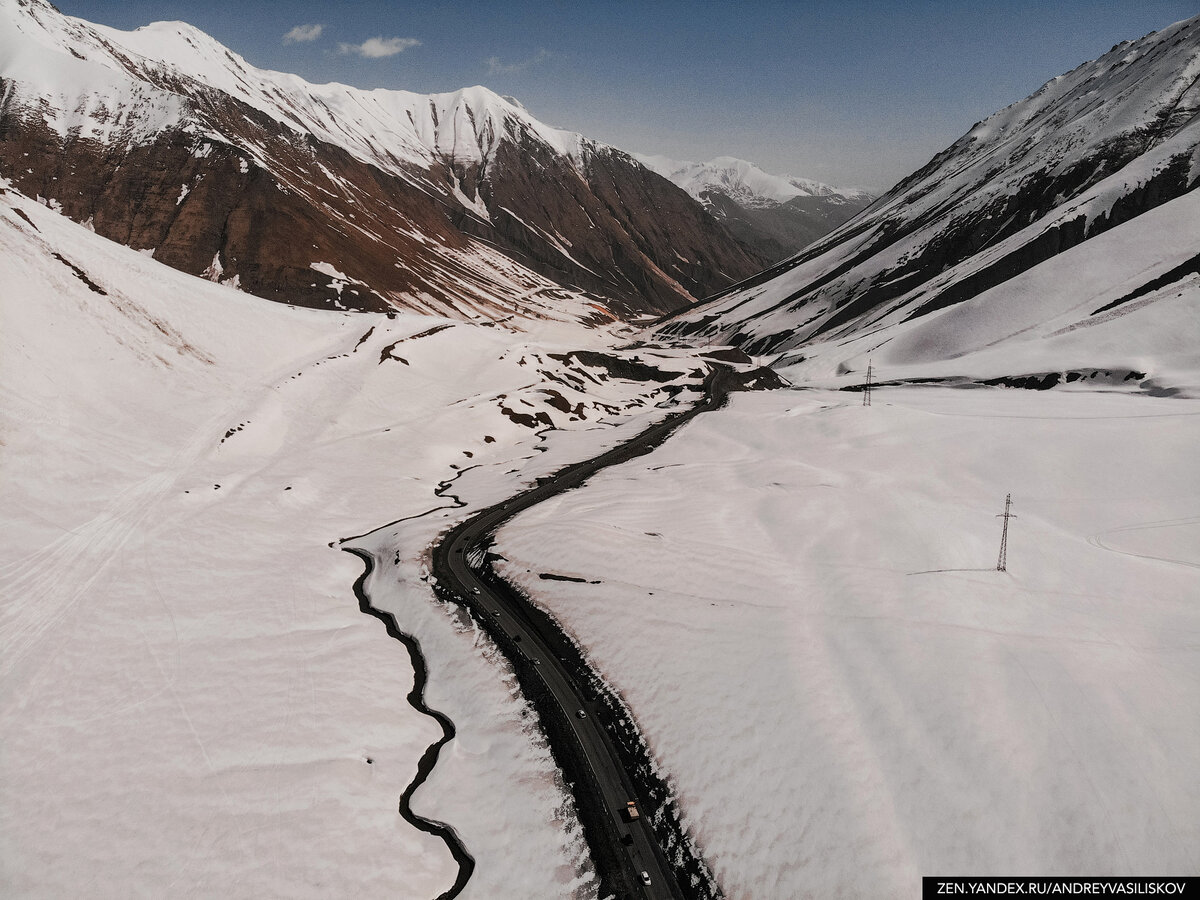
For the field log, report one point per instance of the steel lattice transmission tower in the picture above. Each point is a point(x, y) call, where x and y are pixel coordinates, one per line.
point(1002, 563)
point(867, 386)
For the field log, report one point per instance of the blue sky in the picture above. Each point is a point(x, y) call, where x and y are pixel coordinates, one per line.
point(852, 93)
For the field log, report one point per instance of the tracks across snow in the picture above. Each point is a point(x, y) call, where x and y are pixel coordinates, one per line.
point(1098, 539)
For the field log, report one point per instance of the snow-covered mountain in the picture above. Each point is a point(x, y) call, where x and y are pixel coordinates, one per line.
point(955, 258)
point(775, 214)
point(743, 181)
point(325, 195)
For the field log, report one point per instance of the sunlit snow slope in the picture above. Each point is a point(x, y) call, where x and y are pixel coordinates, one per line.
point(798, 600)
point(803, 614)
point(1122, 308)
point(192, 702)
point(1096, 148)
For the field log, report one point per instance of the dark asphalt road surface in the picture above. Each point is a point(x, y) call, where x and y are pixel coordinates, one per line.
point(452, 568)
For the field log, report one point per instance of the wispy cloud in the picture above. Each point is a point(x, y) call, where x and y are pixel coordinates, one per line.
point(379, 47)
point(496, 67)
point(302, 34)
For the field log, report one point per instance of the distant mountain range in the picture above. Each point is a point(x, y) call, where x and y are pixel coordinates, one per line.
point(775, 214)
point(325, 195)
point(1048, 219)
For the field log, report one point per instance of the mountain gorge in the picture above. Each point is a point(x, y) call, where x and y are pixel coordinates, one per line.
point(671, 595)
point(324, 195)
point(1092, 150)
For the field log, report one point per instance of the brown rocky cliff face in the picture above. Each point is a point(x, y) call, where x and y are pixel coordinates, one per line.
point(616, 231)
point(624, 232)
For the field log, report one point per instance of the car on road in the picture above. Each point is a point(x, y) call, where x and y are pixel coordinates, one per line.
point(645, 878)
point(580, 714)
point(474, 590)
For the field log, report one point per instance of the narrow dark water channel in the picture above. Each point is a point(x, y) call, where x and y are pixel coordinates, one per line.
point(416, 698)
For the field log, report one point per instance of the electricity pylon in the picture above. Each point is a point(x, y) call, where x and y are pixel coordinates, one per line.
point(1002, 564)
point(867, 386)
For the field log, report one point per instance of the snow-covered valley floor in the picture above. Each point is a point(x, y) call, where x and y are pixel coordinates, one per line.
point(798, 600)
point(192, 703)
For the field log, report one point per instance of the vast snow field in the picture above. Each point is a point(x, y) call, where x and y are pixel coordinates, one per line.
point(798, 602)
point(192, 703)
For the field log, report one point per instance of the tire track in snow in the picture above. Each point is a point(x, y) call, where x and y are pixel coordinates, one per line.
point(47, 584)
point(1096, 540)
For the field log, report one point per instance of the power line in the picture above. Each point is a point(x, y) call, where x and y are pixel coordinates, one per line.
point(1002, 563)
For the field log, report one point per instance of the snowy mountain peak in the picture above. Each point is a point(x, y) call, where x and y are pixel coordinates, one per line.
point(1134, 97)
point(741, 181)
point(379, 126)
point(168, 141)
point(775, 214)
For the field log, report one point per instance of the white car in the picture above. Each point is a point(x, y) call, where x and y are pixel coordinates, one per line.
point(645, 878)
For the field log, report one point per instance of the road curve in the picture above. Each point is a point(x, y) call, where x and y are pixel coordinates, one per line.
point(583, 733)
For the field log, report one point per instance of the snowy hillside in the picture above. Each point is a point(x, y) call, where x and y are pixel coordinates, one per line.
point(818, 607)
point(1122, 309)
point(803, 614)
point(192, 699)
point(815, 582)
point(1092, 150)
point(165, 140)
point(776, 214)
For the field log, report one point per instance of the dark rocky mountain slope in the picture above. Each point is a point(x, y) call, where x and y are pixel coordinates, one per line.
point(324, 195)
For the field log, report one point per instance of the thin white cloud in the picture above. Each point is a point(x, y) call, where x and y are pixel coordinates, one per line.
point(379, 47)
point(496, 67)
point(302, 34)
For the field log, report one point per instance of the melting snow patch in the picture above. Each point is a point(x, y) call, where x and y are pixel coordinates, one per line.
point(215, 269)
point(340, 279)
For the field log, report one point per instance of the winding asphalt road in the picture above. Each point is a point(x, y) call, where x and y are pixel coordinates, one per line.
point(458, 566)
